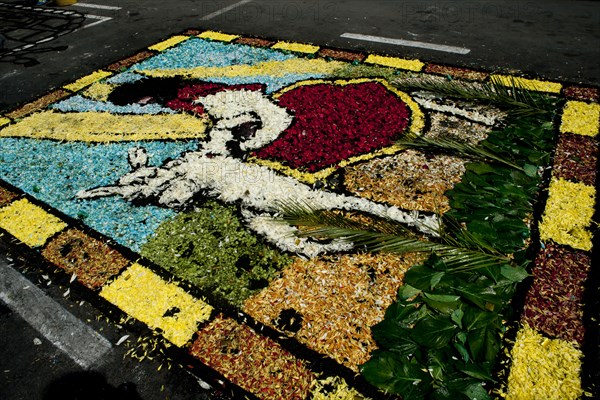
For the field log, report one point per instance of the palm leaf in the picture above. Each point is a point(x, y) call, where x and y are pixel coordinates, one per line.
point(379, 235)
point(514, 97)
point(455, 146)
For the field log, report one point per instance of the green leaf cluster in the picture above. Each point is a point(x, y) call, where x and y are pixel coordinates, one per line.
point(441, 337)
point(494, 201)
point(210, 248)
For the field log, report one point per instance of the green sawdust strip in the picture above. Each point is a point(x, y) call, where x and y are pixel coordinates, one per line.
point(333, 302)
point(254, 362)
point(210, 248)
point(93, 262)
point(409, 180)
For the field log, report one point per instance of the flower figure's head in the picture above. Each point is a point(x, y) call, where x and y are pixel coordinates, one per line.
point(243, 119)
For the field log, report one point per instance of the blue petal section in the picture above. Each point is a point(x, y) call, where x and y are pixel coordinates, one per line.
point(82, 104)
point(125, 77)
point(201, 53)
point(54, 172)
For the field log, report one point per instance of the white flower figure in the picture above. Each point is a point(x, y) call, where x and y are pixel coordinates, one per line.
point(243, 120)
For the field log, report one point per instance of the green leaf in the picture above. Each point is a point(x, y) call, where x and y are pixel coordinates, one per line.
point(445, 304)
point(406, 292)
point(531, 170)
point(513, 273)
point(475, 318)
point(434, 332)
point(476, 391)
point(483, 297)
point(462, 350)
point(457, 316)
point(387, 372)
point(422, 277)
point(475, 371)
point(482, 168)
point(484, 344)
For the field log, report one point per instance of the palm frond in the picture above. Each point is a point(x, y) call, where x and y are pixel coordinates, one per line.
point(455, 146)
point(380, 235)
point(514, 97)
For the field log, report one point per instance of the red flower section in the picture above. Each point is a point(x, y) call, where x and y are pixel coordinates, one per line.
point(554, 303)
point(187, 95)
point(576, 158)
point(334, 122)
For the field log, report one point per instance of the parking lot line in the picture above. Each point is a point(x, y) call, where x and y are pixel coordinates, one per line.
point(77, 340)
point(97, 6)
point(407, 43)
point(224, 10)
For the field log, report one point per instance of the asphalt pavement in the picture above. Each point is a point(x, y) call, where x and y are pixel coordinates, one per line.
point(43, 48)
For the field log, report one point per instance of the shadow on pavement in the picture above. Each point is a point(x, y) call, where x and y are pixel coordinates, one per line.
point(88, 385)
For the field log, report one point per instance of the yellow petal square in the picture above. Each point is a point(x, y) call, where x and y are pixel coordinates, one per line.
point(395, 62)
point(544, 368)
point(4, 121)
point(581, 118)
point(296, 47)
point(221, 37)
point(529, 84)
point(29, 223)
point(87, 80)
point(175, 40)
point(568, 214)
point(148, 298)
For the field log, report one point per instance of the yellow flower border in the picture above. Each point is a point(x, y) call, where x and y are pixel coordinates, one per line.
point(296, 47)
point(528, 84)
point(581, 118)
point(543, 368)
point(568, 214)
point(395, 62)
point(87, 80)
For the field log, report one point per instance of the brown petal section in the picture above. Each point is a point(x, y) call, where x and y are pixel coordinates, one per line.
point(252, 361)
point(93, 261)
point(554, 303)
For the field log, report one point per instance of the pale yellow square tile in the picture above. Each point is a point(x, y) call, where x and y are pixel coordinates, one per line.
point(29, 223)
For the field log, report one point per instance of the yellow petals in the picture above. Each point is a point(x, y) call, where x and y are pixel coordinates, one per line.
point(99, 91)
point(87, 80)
point(270, 68)
point(581, 118)
point(221, 37)
point(145, 296)
point(543, 368)
point(175, 40)
point(568, 214)
point(395, 62)
point(528, 84)
point(29, 223)
point(4, 121)
point(106, 127)
point(337, 389)
point(296, 47)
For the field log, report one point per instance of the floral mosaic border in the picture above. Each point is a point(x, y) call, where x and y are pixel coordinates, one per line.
point(149, 295)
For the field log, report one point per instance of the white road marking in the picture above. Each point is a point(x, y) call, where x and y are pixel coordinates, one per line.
point(224, 10)
point(77, 340)
point(97, 6)
point(408, 43)
point(98, 17)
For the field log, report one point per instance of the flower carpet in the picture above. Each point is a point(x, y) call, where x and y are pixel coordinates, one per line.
point(155, 185)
